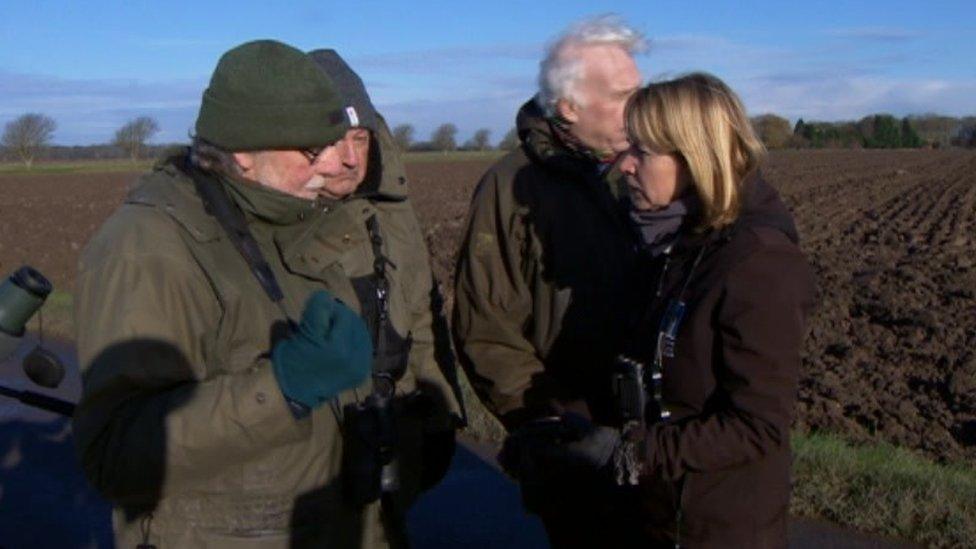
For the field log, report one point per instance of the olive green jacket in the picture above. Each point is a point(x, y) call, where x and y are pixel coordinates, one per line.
point(545, 279)
point(181, 423)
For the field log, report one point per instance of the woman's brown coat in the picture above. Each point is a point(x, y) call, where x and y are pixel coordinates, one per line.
point(717, 472)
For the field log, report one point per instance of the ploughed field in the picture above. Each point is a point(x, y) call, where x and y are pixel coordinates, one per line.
point(891, 235)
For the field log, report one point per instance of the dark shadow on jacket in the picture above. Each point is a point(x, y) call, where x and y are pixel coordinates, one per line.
point(588, 256)
point(128, 468)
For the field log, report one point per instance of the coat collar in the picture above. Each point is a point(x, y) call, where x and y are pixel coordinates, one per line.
point(761, 206)
point(542, 144)
point(270, 205)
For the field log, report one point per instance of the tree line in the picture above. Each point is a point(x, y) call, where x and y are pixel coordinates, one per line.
point(877, 131)
point(444, 138)
point(28, 137)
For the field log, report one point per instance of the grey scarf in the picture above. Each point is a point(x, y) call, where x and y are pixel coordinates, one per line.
point(659, 228)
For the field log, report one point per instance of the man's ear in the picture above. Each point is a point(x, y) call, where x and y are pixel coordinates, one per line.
point(245, 160)
point(567, 110)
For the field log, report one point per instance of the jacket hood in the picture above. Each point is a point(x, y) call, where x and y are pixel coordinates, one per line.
point(541, 144)
point(762, 206)
point(359, 108)
point(385, 178)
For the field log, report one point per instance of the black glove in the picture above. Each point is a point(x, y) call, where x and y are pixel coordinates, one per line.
point(550, 447)
point(593, 446)
point(552, 457)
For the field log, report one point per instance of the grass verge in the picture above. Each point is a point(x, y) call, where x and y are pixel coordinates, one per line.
point(885, 490)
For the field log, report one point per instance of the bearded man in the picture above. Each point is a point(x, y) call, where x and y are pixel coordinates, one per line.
point(254, 325)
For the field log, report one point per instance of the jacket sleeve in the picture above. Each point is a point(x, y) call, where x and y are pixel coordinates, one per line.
point(431, 359)
point(493, 303)
point(759, 331)
point(153, 416)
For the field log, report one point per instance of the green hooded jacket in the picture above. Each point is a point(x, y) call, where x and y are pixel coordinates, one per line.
point(181, 422)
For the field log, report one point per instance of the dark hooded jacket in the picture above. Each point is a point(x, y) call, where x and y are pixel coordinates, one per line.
point(544, 279)
point(717, 472)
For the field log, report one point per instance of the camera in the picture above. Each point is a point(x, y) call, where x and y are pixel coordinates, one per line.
point(629, 389)
point(369, 463)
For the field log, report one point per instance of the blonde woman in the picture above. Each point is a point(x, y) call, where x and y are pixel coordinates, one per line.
point(721, 337)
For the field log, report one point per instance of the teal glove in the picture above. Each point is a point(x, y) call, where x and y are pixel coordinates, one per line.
point(331, 351)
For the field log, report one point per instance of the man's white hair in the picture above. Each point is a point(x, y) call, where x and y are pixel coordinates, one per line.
point(561, 69)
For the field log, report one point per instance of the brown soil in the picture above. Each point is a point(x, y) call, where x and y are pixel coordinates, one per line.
point(891, 236)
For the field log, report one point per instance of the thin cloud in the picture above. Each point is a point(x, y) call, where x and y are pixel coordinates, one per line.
point(688, 52)
point(177, 43)
point(453, 57)
point(687, 42)
point(472, 87)
point(89, 110)
point(19, 91)
point(874, 34)
point(814, 74)
point(852, 97)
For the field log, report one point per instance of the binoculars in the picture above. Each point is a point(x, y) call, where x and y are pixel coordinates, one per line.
point(370, 467)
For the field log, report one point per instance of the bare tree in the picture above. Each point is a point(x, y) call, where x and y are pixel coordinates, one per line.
point(966, 135)
point(132, 137)
point(774, 131)
point(403, 136)
point(480, 141)
point(443, 138)
point(935, 129)
point(510, 142)
point(26, 134)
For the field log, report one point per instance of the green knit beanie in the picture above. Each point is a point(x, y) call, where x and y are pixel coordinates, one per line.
point(267, 95)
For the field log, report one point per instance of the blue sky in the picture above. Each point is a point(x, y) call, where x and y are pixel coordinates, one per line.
point(94, 65)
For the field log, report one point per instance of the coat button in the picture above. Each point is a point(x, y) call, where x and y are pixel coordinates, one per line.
point(261, 397)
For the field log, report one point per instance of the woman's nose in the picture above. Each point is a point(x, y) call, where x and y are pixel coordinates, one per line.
point(627, 164)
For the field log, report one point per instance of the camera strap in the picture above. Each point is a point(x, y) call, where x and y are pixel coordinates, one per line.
point(382, 284)
point(231, 219)
point(391, 349)
point(667, 333)
point(627, 463)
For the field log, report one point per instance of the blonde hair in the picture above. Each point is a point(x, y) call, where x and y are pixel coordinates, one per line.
point(699, 118)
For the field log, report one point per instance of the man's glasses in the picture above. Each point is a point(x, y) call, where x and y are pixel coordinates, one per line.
point(312, 154)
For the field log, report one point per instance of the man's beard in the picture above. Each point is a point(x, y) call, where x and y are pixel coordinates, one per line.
point(314, 184)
